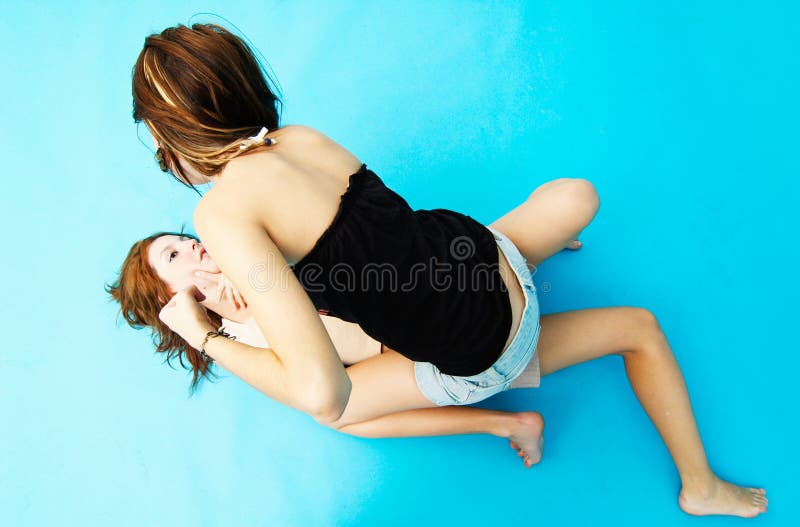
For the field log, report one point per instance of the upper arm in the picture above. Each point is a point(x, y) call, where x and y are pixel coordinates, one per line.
point(235, 238)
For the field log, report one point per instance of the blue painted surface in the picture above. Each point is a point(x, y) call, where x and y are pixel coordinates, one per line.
point(685, 118)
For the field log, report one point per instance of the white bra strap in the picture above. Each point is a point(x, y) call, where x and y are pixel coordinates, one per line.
point(259, 139)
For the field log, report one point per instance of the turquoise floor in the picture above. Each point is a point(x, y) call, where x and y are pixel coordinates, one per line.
point(683, 114)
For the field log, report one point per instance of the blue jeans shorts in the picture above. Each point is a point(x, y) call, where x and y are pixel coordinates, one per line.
point(444, 390)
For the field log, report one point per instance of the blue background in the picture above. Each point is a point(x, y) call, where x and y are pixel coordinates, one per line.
point(683, 114)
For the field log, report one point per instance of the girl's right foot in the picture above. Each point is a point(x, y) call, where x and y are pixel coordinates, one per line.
point(721, 497)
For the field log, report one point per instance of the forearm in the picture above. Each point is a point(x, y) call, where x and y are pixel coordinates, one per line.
point(262, 369)
point(310, 374)
point(258, 367)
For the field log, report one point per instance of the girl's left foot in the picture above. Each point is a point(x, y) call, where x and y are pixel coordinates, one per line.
point(721, 497)
point(574, 245)
point(525, 436)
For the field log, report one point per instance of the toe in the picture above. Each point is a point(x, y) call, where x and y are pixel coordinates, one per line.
point(574, 245)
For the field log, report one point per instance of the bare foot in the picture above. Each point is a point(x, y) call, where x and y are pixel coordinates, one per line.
point(525, 436)
point(574, 245)
point(721, 497)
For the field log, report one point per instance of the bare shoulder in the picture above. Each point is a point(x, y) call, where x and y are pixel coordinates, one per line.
point(314, 151)
point(301, 132)
point(305, 171)
point(249, 179)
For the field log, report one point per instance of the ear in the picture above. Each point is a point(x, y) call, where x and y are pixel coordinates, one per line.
point(163, 301)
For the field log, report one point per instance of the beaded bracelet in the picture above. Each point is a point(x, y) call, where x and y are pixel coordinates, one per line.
point(211, 334)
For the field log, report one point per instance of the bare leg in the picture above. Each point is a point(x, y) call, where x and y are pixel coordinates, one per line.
point(578, 336)
point(517, 427)
point(386, 402)
point(553, 214)
point(550, 219)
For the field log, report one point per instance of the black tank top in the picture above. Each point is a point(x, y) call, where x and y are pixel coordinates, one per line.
point(425, 283)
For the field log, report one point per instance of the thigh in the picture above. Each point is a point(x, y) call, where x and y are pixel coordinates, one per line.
point(553, 215)
point(382, 385)
point(573, 337)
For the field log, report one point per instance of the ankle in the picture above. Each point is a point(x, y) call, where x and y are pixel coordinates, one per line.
point(504, 424)
point(700, 482)
point(509, 424)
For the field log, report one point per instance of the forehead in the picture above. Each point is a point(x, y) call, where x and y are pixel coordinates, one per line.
point(158, 245)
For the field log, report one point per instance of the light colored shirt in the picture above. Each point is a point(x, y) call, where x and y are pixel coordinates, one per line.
point(350, 341)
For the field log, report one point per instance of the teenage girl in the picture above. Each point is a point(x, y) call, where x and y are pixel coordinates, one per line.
point(298, 223)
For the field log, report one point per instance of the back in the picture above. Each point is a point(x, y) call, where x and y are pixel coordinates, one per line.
point(445, 301)
point(293, 186)
point(425, 283)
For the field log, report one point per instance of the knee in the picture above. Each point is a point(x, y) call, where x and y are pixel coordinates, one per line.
point(645, 318)
point(583, 194)
point(645, 328)
point(577, 195)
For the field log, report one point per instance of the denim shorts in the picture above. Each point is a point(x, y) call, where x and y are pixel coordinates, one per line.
point(444, 390)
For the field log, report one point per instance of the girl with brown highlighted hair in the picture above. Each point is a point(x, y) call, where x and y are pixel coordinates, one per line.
point(297, 223)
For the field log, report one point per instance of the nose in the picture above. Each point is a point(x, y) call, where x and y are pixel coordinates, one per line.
point(193, 245)
point(197, 249)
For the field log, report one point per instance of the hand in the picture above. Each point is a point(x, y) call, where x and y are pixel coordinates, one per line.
point(185, 316)
point(224, 287)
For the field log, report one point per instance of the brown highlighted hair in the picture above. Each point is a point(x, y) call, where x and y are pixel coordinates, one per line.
point(141, 294)
point(201, 92)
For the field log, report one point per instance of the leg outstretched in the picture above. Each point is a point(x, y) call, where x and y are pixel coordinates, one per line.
point(634, 333)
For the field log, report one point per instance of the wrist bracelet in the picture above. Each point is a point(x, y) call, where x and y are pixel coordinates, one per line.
point(211, 334)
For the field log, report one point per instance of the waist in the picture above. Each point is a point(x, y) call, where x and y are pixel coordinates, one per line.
point(516, 295)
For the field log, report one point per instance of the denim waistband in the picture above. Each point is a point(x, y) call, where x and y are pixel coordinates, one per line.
point(528, 331)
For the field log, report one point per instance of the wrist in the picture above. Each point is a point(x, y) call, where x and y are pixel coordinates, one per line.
point(199, 336)
point(214, 334)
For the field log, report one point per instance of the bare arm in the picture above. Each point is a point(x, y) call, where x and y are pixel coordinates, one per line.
point(302, 368)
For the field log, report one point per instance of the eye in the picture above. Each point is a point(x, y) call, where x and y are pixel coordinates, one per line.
point(172, 255)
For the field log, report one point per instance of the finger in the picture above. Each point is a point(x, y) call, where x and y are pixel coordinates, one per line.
point(214, 277)
point(240, 299)
point(204, 282)
point(194, 292)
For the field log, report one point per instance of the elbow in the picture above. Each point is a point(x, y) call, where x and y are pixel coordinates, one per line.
point(327, 415)
point(327, 406)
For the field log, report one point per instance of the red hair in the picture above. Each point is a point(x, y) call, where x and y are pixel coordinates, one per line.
point(142, 294)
